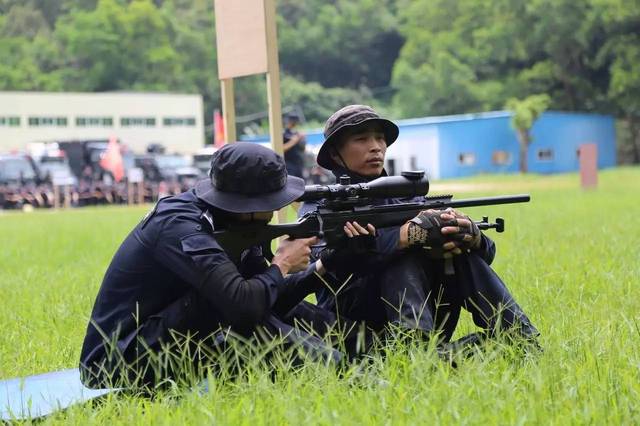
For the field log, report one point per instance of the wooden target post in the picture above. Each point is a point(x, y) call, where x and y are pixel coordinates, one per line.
point(247, 44)
point(135, 186)
point(61, 183)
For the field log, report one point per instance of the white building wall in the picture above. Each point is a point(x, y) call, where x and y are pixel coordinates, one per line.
point(417, 148)
point(114, 105)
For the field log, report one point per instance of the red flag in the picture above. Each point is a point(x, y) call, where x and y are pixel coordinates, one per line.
point(218, 129)
point(112, 159)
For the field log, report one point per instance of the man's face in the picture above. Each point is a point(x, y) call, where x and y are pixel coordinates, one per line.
point(363, 150)
point(292, 122)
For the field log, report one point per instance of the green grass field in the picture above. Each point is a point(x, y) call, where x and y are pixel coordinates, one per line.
point(570, 257)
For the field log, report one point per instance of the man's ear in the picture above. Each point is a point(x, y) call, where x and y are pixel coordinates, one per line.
point(333, 153)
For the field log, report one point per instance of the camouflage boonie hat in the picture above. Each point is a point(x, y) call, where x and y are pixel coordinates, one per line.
point(348, 118)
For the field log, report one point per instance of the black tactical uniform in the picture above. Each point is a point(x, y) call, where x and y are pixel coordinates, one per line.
point(294, 157)
point(408, 287)
point(170, 278)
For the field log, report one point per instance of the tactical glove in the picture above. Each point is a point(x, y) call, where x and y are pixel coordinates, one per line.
point(465, 229)
point(424, 231)
point(351, 256)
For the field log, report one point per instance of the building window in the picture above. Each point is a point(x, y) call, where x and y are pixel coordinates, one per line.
point(10, 121)
point(138, 121)
point(48, 121)
point(501, 158)
point(179, 121)
point(545, 154)
point(467, 158)
point(94, 121)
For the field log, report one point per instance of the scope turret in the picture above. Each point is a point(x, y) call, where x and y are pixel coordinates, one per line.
point(409, 184)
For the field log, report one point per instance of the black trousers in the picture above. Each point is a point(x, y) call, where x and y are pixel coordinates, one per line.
point(414, 292)
point(187, 336)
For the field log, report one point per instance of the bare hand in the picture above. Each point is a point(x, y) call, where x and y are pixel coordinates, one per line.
point(353, 229)
point(293, 255)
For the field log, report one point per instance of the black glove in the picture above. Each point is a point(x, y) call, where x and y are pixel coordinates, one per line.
point(464, 230)
point(424, 231)
point(351, 255)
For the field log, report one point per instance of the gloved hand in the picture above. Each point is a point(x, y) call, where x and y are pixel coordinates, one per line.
point(349, 256)
point(425, 231)
point(461, 231)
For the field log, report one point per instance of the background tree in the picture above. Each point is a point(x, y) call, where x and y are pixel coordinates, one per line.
point(620, 56)
point(409, 58)
point(340, 43)
point(525, 113)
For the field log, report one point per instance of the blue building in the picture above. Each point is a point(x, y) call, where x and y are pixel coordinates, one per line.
point(468, 144)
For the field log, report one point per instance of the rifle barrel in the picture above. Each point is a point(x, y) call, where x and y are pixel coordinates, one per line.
point(485, 201)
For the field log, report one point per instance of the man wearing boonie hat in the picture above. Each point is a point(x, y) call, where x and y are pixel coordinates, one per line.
point(170, 278)
point(423, 272)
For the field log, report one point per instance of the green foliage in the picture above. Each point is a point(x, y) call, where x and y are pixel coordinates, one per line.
point(580, 290)
point(527, 111)
point(463, 55)
point(318, 102)
point(120, 47)
point(408, 57)
point(24, 21)
point(347, 43)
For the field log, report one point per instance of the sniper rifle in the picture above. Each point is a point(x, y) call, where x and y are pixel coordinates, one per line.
point(344, 201)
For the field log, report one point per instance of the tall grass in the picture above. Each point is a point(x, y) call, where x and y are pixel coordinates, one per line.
point(570, 257)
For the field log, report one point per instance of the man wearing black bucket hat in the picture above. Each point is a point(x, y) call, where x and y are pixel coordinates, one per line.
point(170, 278)
point(402, 283)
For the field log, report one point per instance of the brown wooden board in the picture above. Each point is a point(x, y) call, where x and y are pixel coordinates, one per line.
point(589, 165)
point(241, 38)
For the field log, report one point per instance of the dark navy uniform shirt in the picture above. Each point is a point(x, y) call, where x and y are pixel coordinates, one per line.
point(294, 157)
point(172, 252)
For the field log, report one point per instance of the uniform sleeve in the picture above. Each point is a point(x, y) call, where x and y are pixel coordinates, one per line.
point(196, 257)
point(296, 287)
point(293, 288)
point(387, 240)
point(487, 250)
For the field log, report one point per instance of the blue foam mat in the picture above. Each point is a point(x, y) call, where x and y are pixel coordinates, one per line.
point(41, 395)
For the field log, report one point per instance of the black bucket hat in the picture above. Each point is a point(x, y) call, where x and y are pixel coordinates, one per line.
point(246, 177)
point(348, 118)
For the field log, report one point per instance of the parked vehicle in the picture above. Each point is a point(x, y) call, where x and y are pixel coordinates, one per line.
point(202, 159)
point(20, 184)
point(169, 168)
point(55, 169)
point(174, 167)
point(84, 155)
point(18, 169)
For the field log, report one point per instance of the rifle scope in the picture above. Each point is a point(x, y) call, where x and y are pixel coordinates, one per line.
point(409, 184)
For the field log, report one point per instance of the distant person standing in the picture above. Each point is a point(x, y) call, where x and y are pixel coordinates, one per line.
point(294, 145)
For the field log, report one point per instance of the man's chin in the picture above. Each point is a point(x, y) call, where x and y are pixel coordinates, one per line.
point(371, 171)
